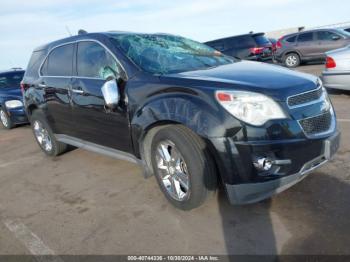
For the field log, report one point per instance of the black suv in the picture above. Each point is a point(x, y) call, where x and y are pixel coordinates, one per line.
point(309, 46)
point(11, 103)
point(252, 46)
point(186, 113)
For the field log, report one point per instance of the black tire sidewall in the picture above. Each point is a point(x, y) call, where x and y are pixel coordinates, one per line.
point(197, 168)
point(37, 115)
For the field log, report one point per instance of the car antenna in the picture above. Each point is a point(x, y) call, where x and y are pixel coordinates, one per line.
point(68, 31)
point(82, 32)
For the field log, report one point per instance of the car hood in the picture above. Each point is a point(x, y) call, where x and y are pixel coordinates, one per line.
point(12, 93)
point(272, 80)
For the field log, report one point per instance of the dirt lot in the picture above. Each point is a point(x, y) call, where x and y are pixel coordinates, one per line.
point(84, 203)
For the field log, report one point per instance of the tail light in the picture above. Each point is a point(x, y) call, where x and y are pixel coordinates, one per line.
point(330, 63)
point(24, 87)
point(279, 43)
point(256, 50)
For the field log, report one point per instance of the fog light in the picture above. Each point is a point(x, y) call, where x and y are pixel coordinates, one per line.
point(263, 163)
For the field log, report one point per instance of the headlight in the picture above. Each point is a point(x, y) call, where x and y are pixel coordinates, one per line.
point(13, 104)
point(252, 108)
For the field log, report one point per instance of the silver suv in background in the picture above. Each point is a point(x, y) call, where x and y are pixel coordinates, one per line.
point(337, 72)
point(309, 46)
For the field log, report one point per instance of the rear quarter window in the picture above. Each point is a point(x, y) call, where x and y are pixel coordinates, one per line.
point(35, 61)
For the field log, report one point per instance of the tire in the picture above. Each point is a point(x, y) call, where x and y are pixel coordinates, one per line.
point(190, 176)
point(291, 60)
point(5, 120)
point(44, 135)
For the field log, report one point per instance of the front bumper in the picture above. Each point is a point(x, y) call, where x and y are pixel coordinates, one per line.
point(17, 115)
point(245, 184)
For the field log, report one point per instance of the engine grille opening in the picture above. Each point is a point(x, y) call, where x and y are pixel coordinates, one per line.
point(305, 97)
point(318, 124)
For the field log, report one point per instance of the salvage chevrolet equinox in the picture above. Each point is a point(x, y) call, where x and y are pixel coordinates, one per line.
point(186, 113)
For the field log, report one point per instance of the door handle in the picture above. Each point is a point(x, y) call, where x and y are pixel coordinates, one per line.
point(78, 91)
point(42, 85)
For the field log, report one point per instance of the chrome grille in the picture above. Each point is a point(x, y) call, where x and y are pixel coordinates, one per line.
point(304, 98)
point(318, 124)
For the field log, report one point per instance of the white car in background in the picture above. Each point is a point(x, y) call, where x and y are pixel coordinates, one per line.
point(337, 72)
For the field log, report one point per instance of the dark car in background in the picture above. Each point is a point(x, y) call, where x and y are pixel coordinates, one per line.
point(252, 46)
point(347, 29)
point(309, 46)
point(11, 102)
point(186, 113)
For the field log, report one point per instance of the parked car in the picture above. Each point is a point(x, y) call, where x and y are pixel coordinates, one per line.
point(337, 72)
point(273, 42)
point(309, 46)
point(11, 103)
point(186, 113)
point(254, 46)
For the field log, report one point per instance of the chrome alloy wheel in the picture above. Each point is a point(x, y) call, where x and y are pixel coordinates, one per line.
point(173, 170)
point(3, 118)
point(291, 60)
point(42, 136)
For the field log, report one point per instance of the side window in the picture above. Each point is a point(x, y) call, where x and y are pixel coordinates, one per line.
point(59, 62)
point(326, 36)
point(93, 60)
point(305, 37)
point(291, 39)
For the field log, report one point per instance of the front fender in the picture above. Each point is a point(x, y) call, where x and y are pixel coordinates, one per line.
point(203, 118)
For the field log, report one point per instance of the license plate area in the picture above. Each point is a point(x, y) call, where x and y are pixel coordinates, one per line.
point(331, 146)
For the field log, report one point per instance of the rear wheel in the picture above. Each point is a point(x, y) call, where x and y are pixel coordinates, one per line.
point(5, 120)
point(44, 135)
point(292, 60)
point(183, 167)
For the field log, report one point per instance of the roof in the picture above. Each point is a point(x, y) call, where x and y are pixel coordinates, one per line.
point(339, 30)
point(85, 36)
point(15, 69)
point(229, 37)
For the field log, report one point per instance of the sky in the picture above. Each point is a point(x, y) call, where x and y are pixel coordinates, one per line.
point(26, 24)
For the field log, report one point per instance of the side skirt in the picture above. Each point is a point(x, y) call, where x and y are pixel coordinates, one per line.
point(100, 149)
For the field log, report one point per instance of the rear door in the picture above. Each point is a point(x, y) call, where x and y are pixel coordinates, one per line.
point(55, 82)
point(328, 40)
point(306, 45)
point(93, 121)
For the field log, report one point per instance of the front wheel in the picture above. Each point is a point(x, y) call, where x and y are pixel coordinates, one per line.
point(183, 167)
point(292, 60)
point(5, 120)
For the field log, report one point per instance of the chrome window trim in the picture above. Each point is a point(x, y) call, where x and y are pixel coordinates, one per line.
point(47, 55)
point(307, 103)
point(76, 42)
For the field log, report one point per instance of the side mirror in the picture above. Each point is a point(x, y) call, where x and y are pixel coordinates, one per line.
point(335, 37)
point(110, 93)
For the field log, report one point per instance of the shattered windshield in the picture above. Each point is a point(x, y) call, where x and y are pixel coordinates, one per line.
point(164, 54)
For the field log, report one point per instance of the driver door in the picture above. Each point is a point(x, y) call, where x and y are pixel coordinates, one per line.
point(93, 121)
